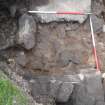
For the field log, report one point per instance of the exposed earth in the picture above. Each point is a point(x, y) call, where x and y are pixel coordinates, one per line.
point(44, 59)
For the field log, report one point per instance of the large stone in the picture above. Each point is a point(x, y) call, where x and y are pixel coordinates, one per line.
point(100, 103)
point(65, 92)
point(54, 87)
point(80, 97)
point(27, 29)
point(62, 5)
point(40, 90)
point(97, 23)
point(90, 91)
point(97, 7)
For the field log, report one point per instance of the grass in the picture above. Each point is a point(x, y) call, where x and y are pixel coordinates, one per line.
point(10, 94)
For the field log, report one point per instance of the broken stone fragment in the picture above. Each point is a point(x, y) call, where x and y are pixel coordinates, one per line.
point(62, 5)
point(27, 30)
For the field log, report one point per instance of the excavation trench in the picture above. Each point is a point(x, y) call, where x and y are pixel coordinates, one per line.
point(52, 61)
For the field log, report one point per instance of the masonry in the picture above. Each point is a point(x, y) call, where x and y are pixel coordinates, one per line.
point(62, 5)
point(51, 55)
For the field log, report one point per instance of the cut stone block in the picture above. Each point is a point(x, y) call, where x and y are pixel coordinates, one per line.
point(90, 91)
point(62, 5)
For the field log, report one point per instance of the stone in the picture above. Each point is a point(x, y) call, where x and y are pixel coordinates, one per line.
point(21, 59)
point(103, 29)
point(54, 87)
point(40, 90)
point(61, 87)
point(62, 5)
point(13, 10)
point(61, 31)
point(65, 92)
point(97, 23)
point(27, 30)
point(66, 57)
point(97, 7)
point(100, 103)
point(35, 89)
point(90, 90)
point(80, 97)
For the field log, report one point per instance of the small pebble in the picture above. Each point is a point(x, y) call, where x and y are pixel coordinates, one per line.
point(104, 28)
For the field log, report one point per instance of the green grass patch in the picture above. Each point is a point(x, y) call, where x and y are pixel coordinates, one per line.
point(10, 94)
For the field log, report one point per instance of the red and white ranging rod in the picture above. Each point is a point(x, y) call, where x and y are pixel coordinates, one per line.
point(60, 12)
point(91, 26)
point(94, 45)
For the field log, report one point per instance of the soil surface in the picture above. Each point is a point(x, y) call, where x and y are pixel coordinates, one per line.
point(61, 48)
